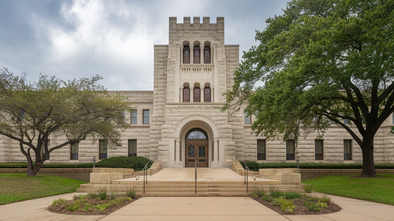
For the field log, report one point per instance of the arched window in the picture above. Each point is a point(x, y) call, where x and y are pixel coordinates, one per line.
point(186, 92)
point(196, 53)
point(196, 93)
point(207, 52)
point(186, 53)
point(207, 93)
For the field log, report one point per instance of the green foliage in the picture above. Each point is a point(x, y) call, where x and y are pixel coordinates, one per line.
point(132, 194)
point(286, 195)
point(379, 189)
point(320, 61)
point(286, 205)
point(308, 188)
point(321, 204)
point(312, 206)
point(256, 166)
point(76, 205)
point(102, 194)
point(80, 197)
point(93, 195)
point(114, 195)
point(258, 193)
point(325, 199)
point(58, 201)
point(137, 163)
point(102, 207)
point(76, 109)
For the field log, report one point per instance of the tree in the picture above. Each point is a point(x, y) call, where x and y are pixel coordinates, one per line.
point(321, 60)
point(30, 113)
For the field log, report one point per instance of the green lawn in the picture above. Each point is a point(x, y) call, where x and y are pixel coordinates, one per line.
point(379, 189)
point(17, 187)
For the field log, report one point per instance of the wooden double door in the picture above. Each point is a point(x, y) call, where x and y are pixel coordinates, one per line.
point(196, 150)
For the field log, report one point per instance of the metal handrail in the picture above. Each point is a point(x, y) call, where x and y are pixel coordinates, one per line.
point(195, 175)
point(246, 176)
point(145, 168)
point(145, 171)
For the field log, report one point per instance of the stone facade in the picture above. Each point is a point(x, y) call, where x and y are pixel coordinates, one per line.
point(174, 114)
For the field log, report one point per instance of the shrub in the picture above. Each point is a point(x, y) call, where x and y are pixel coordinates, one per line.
point(308, 188)
point(131, 194)
point(136, 163)
point(325, 199)
point(312, 206)
point(58, 201)
point(284, 204)
point(102, 194)
point(92, 195)
point(321, 204)
point(253, 165)
point(287, 195)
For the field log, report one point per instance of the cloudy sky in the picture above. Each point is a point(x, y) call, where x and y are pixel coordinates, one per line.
point(82, 38)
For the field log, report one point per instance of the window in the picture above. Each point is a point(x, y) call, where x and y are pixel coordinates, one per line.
point(393, 117)
point(186, 94)
point(261, 150)
point(132, 148)
point(146, 116)
point(318, 149)
point(74, 151)
point(134, 116)
point(186, 54)
point(247, 118)
point(207, 94)
point(290, 150)
point(207, 55)
point(347, 149)
point(103, 149)
point(196, 94)
point(196, 54)
point(44, 154)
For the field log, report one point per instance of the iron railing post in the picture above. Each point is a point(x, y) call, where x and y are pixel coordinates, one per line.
point(195, 176)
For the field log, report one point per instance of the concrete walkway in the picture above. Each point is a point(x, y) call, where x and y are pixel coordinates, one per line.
point(196, 208)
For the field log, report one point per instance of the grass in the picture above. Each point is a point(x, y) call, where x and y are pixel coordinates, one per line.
point(378, 189)
point(17, 187)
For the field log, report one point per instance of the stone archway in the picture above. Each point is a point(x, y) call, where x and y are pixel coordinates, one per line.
point(196, 148)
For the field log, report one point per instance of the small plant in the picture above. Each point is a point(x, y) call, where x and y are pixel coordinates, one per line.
point(131, 194)
point(74, 206)
point(325, 199)
point(58, 201)
point(92, 195)
point(257, 193)
point(88, 206)
point(102, 194)
point(102, 207)
point(308, 188)
point(311, 198)
point(267, 198)
point(114, 195)
point(312, 206)
point(287, 195)
point(321, 204)
point(275, 194)
point(79, 197)
point(285, 204)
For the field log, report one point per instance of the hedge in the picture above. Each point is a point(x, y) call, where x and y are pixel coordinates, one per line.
point(255, 166)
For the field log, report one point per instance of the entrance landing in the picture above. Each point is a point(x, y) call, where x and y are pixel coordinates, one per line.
point(203, 174)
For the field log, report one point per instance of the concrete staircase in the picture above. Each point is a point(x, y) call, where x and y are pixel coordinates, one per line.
point(180, 182)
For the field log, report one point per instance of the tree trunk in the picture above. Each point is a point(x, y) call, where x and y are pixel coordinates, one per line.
point(32, 170)
point(368, 161)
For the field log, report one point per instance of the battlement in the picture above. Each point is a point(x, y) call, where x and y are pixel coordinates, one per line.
point(205, 25)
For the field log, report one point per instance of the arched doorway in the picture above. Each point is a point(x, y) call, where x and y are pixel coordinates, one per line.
point(196, 143)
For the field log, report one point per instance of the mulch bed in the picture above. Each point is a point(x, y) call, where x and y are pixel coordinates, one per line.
point(93, 202)
point(300, 209)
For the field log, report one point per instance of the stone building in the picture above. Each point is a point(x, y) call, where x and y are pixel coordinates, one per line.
point(180, 121)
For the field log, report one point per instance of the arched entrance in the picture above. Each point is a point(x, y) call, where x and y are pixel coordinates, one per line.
point(196, 143)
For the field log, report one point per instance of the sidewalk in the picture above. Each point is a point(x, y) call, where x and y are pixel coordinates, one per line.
point(196, 208)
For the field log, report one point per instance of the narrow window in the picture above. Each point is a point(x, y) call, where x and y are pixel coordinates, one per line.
point(207, 55)
point(196, 94)
point(186, 54)
point(207, 94)
point(103, 149)
point(347, 146)
point(134, 116)
point(261, 150)
point(133, 148)
point(196, 54)
point(318, 149)
point(186, 94)
point(74, 151)
point(290, 150)
point(247, 118)
point(146, 116)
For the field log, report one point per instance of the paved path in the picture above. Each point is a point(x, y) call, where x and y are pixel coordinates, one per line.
point(196, 208)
